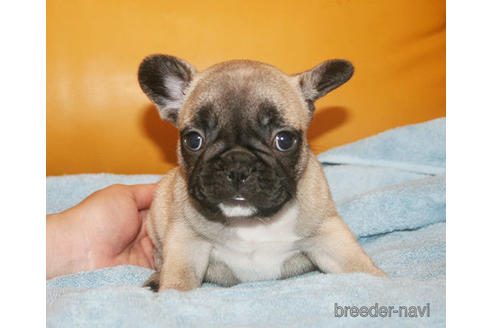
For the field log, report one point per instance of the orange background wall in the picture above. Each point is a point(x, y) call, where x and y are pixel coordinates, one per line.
point(98, 120)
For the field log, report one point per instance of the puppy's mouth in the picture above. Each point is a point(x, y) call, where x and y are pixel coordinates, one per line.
point(239, 198)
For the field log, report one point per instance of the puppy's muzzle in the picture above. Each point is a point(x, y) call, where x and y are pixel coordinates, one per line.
point(239, 166)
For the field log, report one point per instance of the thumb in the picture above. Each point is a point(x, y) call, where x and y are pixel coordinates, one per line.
point(143, 194)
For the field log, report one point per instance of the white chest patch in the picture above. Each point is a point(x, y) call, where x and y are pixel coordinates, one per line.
point(237, 210)
point(254, 249)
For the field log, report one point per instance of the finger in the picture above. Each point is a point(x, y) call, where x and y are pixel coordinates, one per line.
point(143, 219)
point(143, 194)
point(143, 215)
point(148, 250)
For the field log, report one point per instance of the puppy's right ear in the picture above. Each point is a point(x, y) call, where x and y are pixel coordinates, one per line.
point(164, 80)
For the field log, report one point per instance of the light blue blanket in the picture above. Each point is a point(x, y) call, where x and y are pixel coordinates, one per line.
point(389, 188)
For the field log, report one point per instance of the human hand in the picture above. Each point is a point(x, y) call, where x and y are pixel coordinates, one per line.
point(105, 229)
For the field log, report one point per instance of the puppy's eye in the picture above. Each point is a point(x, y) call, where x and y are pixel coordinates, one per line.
point(193, 140)
point(284, 141)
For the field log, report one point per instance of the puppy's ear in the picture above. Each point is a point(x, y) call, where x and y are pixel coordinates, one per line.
point(323, 78)
point(164, 80)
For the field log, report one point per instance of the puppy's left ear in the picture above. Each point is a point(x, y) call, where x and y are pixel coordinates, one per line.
point(323, 78)
point(164, 80)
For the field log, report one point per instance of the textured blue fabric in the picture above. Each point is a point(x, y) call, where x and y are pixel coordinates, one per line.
point(389, 188)
point(418, 147)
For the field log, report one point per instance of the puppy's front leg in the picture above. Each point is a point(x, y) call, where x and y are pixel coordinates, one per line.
point(335, 249)
point(184, 259)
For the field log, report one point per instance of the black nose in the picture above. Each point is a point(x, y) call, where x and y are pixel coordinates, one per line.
point(239, 165)
point(238, 176)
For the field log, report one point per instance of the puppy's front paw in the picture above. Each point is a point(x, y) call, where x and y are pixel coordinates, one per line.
point(153, 282)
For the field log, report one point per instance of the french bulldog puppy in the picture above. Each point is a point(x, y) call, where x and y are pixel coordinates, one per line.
point(249, 200)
